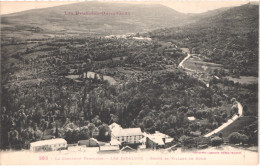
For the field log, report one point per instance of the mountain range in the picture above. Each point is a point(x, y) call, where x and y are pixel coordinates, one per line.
point(59, 19)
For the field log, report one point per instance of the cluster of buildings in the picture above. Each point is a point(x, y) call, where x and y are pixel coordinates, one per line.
point(122, 140)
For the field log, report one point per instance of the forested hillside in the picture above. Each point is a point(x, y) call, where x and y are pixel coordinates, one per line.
point(73, 86)
point(229, 38)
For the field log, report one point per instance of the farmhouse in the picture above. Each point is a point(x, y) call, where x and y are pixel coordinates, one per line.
point(157, 140)
point(128, 135)
point(48, 145)
point(154, 142)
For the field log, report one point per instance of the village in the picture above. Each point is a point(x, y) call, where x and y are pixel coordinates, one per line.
point(123, 140)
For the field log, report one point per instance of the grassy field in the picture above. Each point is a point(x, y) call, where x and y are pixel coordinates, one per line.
point(252, 107)
point(197, 64)
point(244, 79)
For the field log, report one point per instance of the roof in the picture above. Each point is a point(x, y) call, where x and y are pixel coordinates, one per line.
point(127, 148)
point(114, 126)
point(49, 142)
point(108, 148)
point(114, 142)
point(128, 132)
point(157, 137)
point(162, 135)
point(86, 141)
point(191, 118)
point(157, 140)
point(195, 133)
point(168, 140)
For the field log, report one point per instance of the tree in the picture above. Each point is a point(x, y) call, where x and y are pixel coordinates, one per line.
point(68, 136)
point(236, 137)
point(148, 124)
point(84, 133)
point(91, 128)
point(216, 141)
point(189, 142)
point(104, 134)
point(96, 121)
point(171, 132)
point(182, 109)
point(172, 120)
point(57, 131)
point(234, 109)
point(233, 100)
point(38, 135)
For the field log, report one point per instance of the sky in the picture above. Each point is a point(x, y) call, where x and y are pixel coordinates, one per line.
point(7, 7)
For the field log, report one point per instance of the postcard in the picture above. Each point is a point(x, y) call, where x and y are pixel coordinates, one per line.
point(129, 82)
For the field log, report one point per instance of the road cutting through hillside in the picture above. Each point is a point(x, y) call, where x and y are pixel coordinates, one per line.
point(230, 121)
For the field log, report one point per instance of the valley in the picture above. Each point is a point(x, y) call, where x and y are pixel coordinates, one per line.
point(64, 77)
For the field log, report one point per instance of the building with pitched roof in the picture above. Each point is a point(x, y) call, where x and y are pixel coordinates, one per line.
point(126, 135)
point(157, 140)
point(48, 145)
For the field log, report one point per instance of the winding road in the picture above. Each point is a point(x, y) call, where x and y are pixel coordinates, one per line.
point(230, 121)
point(181, 64)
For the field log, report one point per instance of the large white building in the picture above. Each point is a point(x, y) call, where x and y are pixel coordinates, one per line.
point(48, 145)
point(128, 135)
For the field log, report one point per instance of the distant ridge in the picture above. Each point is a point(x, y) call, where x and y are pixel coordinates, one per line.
point(141, 18)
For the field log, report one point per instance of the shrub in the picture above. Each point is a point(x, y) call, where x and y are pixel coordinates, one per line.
point(216, 141)
point(236, 137)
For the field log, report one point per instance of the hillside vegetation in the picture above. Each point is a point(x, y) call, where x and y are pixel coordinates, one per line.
point(54, 21)
point(229, 38)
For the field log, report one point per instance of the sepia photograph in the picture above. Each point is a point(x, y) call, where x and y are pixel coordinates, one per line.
point(129, 82)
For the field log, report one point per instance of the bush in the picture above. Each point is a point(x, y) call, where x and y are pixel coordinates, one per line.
point(216, 141)
point(236, 137)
